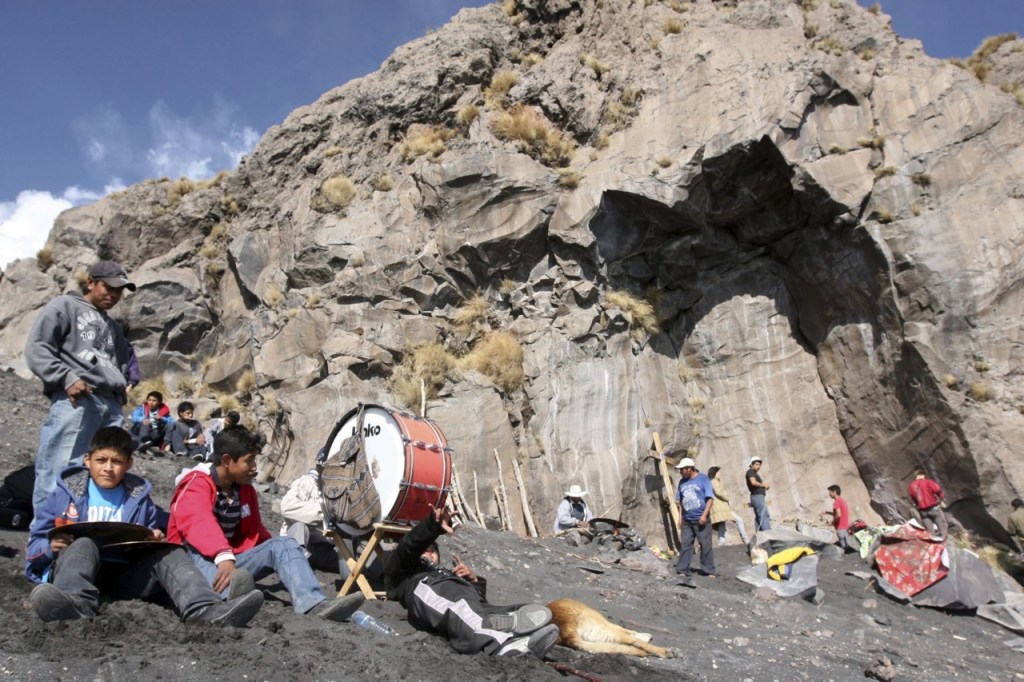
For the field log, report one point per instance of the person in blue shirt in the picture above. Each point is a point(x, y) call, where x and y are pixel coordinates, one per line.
point(72, 573)
point(695, 496)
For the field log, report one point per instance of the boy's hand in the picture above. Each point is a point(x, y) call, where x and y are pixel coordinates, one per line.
point(444, 517)
point(60, 542)
point(462, 569)
point(223, 578)
point(158, 534)
point(79, 389)
point(200, 439)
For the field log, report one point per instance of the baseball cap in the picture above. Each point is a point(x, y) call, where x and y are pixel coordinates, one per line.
point(753, 459)
point(686, 462)
point(112, 273)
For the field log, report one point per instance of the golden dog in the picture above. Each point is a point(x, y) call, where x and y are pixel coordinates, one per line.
point(581, 627)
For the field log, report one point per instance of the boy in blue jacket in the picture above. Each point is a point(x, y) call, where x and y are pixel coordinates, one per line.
point(70, 572)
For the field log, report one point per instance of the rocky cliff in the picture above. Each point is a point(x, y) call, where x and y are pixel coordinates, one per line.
point(756, 227)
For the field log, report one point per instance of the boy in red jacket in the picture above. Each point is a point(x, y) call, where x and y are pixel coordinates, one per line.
point(927, 497)
point(215, 514)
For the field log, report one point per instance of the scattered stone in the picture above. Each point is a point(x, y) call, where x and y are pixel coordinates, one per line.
point(882, 669)
point(765, 594)
point(869, 604)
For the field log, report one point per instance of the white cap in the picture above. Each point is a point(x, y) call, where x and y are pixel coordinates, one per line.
point(686, 462)
point(753, 459)
point(575, 491)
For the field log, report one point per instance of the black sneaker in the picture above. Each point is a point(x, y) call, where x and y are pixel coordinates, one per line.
point(339, 610)
point(522, 621)
point(236, 612)
point(241, 584)
point(51, 604)
point(538, 644)
point(686, 580)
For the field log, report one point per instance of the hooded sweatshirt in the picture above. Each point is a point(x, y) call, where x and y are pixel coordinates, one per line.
point(71, 340)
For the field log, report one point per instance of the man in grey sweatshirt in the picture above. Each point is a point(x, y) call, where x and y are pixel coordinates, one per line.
point(81, 356)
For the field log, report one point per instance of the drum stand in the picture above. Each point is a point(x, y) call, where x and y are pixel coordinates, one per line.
point(355, 567)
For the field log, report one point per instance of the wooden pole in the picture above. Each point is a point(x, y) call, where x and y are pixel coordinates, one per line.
point(501, 516)
point(476, 499)
point(504, 494)
point(530, 527)
point(423, 398)
point(461, 499)
point(669, 492)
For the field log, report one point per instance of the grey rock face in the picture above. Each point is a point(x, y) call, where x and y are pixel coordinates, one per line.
point(826, 222)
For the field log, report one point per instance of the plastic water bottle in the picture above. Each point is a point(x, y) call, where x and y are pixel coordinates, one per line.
point(365, 620)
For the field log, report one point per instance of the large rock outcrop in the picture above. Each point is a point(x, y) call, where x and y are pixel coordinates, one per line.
point(826, 221)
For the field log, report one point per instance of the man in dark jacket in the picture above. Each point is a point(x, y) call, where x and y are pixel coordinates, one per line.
point(453, 602)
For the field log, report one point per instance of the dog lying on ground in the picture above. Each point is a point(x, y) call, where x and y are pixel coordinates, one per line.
point(581, 627)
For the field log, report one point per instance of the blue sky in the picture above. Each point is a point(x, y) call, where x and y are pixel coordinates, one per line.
point(99, 95)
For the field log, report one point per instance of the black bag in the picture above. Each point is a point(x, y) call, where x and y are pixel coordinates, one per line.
point(347, 491)
point(16, 498)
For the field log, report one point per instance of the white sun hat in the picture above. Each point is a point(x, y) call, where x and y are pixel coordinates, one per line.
point(686, 462)
point(755, 458)
point(575, 491)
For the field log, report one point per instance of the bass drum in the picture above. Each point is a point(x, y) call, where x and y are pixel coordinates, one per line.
point(408, 457)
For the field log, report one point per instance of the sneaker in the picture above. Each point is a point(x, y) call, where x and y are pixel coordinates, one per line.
point(241, 584)
point(179, 454)
point(686, 580)
point(522, 621)
point(236, 612)
point(339, 610)
point(538, 644)
point(51, 604)
point(198, 457)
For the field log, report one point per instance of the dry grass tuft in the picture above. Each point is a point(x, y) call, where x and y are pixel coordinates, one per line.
point(979, 391)
point(978, 61)
point(270, 405)
point(429, 363)
point(594, 64)
point(875, 8)
point(672, 26)
point(424, 140)
point(467, 115)
point(313, 299)
point(884, 216)
point(473, 311)
point(874, 142)
point(333, 151)
point(949, 380)
point(829, 45)
point(532, 59)
point(501, 82)
point(157, 383)
point(179, 189)
point(663, 161)
point(339, 190)
point(981, 366)
point(569, 178)
point(534, 135)
point(642, 317)
point(921, 179)
point(44, 258)
point(383, 182)
point(228, 402)
point(246, 382)
point(274, 296)
point(885, 172)
point(499, 357)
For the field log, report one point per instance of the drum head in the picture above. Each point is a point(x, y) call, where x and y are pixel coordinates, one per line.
point(385, 451)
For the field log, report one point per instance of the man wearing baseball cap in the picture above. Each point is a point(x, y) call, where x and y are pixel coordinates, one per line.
point(81, 356)
point(758, 488)
point(695, 497)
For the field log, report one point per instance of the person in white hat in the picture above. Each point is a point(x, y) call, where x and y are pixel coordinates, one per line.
point(695, 496)
point(572, 510)
point(758, 488)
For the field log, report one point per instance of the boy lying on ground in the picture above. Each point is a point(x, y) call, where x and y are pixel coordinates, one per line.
point(453, 602)
point(72, 575)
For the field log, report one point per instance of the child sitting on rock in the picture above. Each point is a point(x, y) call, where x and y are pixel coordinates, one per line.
point(187, 437)
point(151, 421)
point(71, 572)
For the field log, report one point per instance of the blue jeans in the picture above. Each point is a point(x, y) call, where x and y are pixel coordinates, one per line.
point(65, 437)
point(762, 520)
point(281, 555)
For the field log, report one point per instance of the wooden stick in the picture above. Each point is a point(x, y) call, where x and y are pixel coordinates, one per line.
point(504, 494)
point(522, 498)
point(645, 627)
point(501, 517)
point(566, 668)
point(423, 398)
point(463, 504)
point(476, 499)
point(669, 493)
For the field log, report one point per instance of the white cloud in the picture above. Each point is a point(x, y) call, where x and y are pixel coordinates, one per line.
point(25, 223)
point(197, 147)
